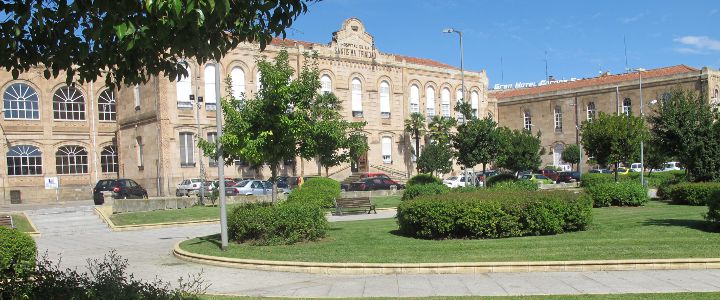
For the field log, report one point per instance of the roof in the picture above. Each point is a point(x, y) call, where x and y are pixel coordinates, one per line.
point(595, 81)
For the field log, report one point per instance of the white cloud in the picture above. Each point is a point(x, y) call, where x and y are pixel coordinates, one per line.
point(697, 44)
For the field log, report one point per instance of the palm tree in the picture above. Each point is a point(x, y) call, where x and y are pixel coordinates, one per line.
point(415, 126)
point(440, 127)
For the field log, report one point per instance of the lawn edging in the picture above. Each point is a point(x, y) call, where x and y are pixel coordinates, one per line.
point(103, 215)
point(450, 267)
point(35, 232)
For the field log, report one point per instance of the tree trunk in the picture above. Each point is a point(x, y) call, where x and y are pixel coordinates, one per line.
point(417, 151)
point(326, 172)
point(616, 173)
point(484, 176)
point(273, 171)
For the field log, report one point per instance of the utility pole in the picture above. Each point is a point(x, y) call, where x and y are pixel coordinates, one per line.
point(221, 162)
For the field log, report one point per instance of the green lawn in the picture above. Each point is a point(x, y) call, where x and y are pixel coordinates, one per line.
point(668, 296)
point(386, 201)
point(657, 230)
point(20, 222)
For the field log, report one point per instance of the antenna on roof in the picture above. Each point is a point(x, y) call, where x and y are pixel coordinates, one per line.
point(502, 71)
point(627, 69)
point(546, 67)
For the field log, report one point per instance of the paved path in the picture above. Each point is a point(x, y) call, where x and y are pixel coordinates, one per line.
point(148, 252)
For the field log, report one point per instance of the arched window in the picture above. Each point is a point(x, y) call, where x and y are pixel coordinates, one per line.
point(591, 111)
point(459, 99)
point(430, 101)
point(20, 101)
point(258, 84)
point(716, 93)
point(183, 89)
point(445, 102)
point(68, 104)
point(325, 84)
point(237, 76)
point(109, 160)
point(627, 106)
point(527, 120)
point(475, 102)
point(356, 87)
point(558, 119)
point(24, 160)
point(210, 95)
point(384, 100)
point(387, 149)
point(106, 105)
point(71, 160)
point(414, 99)
point(557, 154)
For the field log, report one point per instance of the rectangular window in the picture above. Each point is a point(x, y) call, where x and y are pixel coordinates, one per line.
point(210, 97)
point(591, 111)
point(558, 119)
point(186, 150)
point(527, 121)
point(139, 151)
point(212, 137)
point(384, 100)
point(387, 149)
point(357, 109)
point(136, 94)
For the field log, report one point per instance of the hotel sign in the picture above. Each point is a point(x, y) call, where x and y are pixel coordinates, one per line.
point(519, 85)
point(355, 50)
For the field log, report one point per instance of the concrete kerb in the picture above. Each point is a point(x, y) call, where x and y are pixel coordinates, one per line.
point(449, 268)
point(35, 232)
point(105, 218)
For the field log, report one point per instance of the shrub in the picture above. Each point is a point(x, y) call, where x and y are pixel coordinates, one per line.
point(494, 214)
point(590, 179)
point(624, 193)
point(418, 190)
point(17, 252)
point(693, 193)
point(500, 178)
point(321, 191)
point(283, 224)
point(713, 215)
point(423, 178)
point(516, 185)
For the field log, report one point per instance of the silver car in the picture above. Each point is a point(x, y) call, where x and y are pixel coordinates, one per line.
point(256, 187)
point(188, 187)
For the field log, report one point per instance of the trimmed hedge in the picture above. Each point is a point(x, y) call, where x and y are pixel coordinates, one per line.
point(493, 214)
point(590, 179)
point(516, 185)
point(499, 178)
point(283, 224)
point(691, 193)
point(713, 215)
point(17, 252)
point(423, 178)
point(655, 179)
point(418, 190)
point(321, 191)
point(623, 193)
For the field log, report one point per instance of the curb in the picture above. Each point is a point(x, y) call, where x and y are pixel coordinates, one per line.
point(118, 228)
point(449, 268)
point(35, 232)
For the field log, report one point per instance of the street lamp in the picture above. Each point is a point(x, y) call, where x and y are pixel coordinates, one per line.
point(642, 115)
point(462, 84)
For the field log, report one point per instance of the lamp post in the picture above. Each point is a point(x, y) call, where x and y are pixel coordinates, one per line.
point(462, 83)
point(220, 161)
point(642, 144)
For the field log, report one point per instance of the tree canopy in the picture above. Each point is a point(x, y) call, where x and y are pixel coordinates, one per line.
point(478, 141)
point(521, 150)
point(415, 127)
point(127, 42)
point(436, 158)
point(571, 154)
point(614, 139)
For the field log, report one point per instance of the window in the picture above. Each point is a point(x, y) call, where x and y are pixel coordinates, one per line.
point(139, 151)
point(627, 107)
point(356, 98)
point(384, 100)
point(212, 137)
point(414, 99)
point(557, 154)
point(237, 76)
point(258, 84)
point(459, 99)
point(430, 101)
point(136, 94)
point(474, 101)
point(387, 149)
point(24, 160)
point(68, 104)
point(716, 93)
point(109, 160)
point(415, 151)
point(445, 102)
point(210, 96)
point(558, 119)
point(183, 89)
point(325, 84)
point(527, 120)
point(186, 150)
point(20, 101)
point(106, 106)
point(71, 160)
point(591, 111)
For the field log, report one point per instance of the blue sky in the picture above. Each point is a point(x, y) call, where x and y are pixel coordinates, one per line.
point(581, 37)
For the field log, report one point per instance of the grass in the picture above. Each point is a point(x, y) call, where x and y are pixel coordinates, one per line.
point(657, 230)
point(386, 201)
point(20, 222)
point(666, 296)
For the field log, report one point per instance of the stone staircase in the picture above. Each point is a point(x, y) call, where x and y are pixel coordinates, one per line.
point(67, 221)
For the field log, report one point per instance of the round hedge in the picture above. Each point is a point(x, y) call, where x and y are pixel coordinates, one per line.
point(17, 252)
point(283, 224)
point(322, 191)
point(423, 178)
point(623, 193)
point(418, 190)
point(493, 214)
point(692, 193)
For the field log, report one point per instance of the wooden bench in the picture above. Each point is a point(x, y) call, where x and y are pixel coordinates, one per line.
point(6, 220)
point(354, 203)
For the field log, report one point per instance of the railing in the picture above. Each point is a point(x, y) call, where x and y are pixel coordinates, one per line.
point(338, 171)
point(390, 170)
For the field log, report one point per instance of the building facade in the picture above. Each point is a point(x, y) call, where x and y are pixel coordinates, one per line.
point(557, 110)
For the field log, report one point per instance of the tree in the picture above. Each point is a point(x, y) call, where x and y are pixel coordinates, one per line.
point(655, 154)
point(440, 127)
point(87, 39)
point(415, 126)
point(614, 139)
point(478, 141)
point(571, 154)
point(683, 126)
point(521, 150)
point(435, 158)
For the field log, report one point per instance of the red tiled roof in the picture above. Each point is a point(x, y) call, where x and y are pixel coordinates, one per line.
point(595, 81)
point(289, 42)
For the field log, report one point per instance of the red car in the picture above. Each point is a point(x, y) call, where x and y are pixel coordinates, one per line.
point(552, 174)
point(375, 183)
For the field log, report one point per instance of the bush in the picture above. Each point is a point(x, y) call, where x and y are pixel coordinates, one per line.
point(17, 252)
point(320, 191)
point(624, 193)
point(418, 190)
point(500, 178)
point(713, 215)
point(283, 224)
point(493, 214)
point(516, 185)
point(590, 179)
point(423, 178)
point(693, 193)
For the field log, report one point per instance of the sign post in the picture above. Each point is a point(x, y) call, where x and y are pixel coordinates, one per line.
point(53, 183)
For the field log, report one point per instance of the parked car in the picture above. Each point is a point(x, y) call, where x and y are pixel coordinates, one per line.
point(672, 166)
point(636, 167)
point(552, 174)
point(374, 174)
point(455, 181)
point(375, 183)
point(481, 177)
point(188, 187)
point(256, 187)
point(120, 188)
point(229, 184)
point(537, 178)
point(568, 177)
point(623, 171)
point(602, 171)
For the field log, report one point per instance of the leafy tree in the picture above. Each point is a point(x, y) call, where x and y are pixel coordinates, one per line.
point(435, 158)
point(571, 154)
point(87, 39)
point(478, 141)
point(415, 126)
point(440, 127)
point(614, 139)
point(655, 154)
point(684, 127)
point(521, 150)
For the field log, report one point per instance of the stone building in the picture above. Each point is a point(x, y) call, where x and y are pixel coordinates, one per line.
point(555, 109)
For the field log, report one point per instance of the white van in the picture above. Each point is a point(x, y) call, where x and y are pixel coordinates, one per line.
point(671, 166)
point(636, 167)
